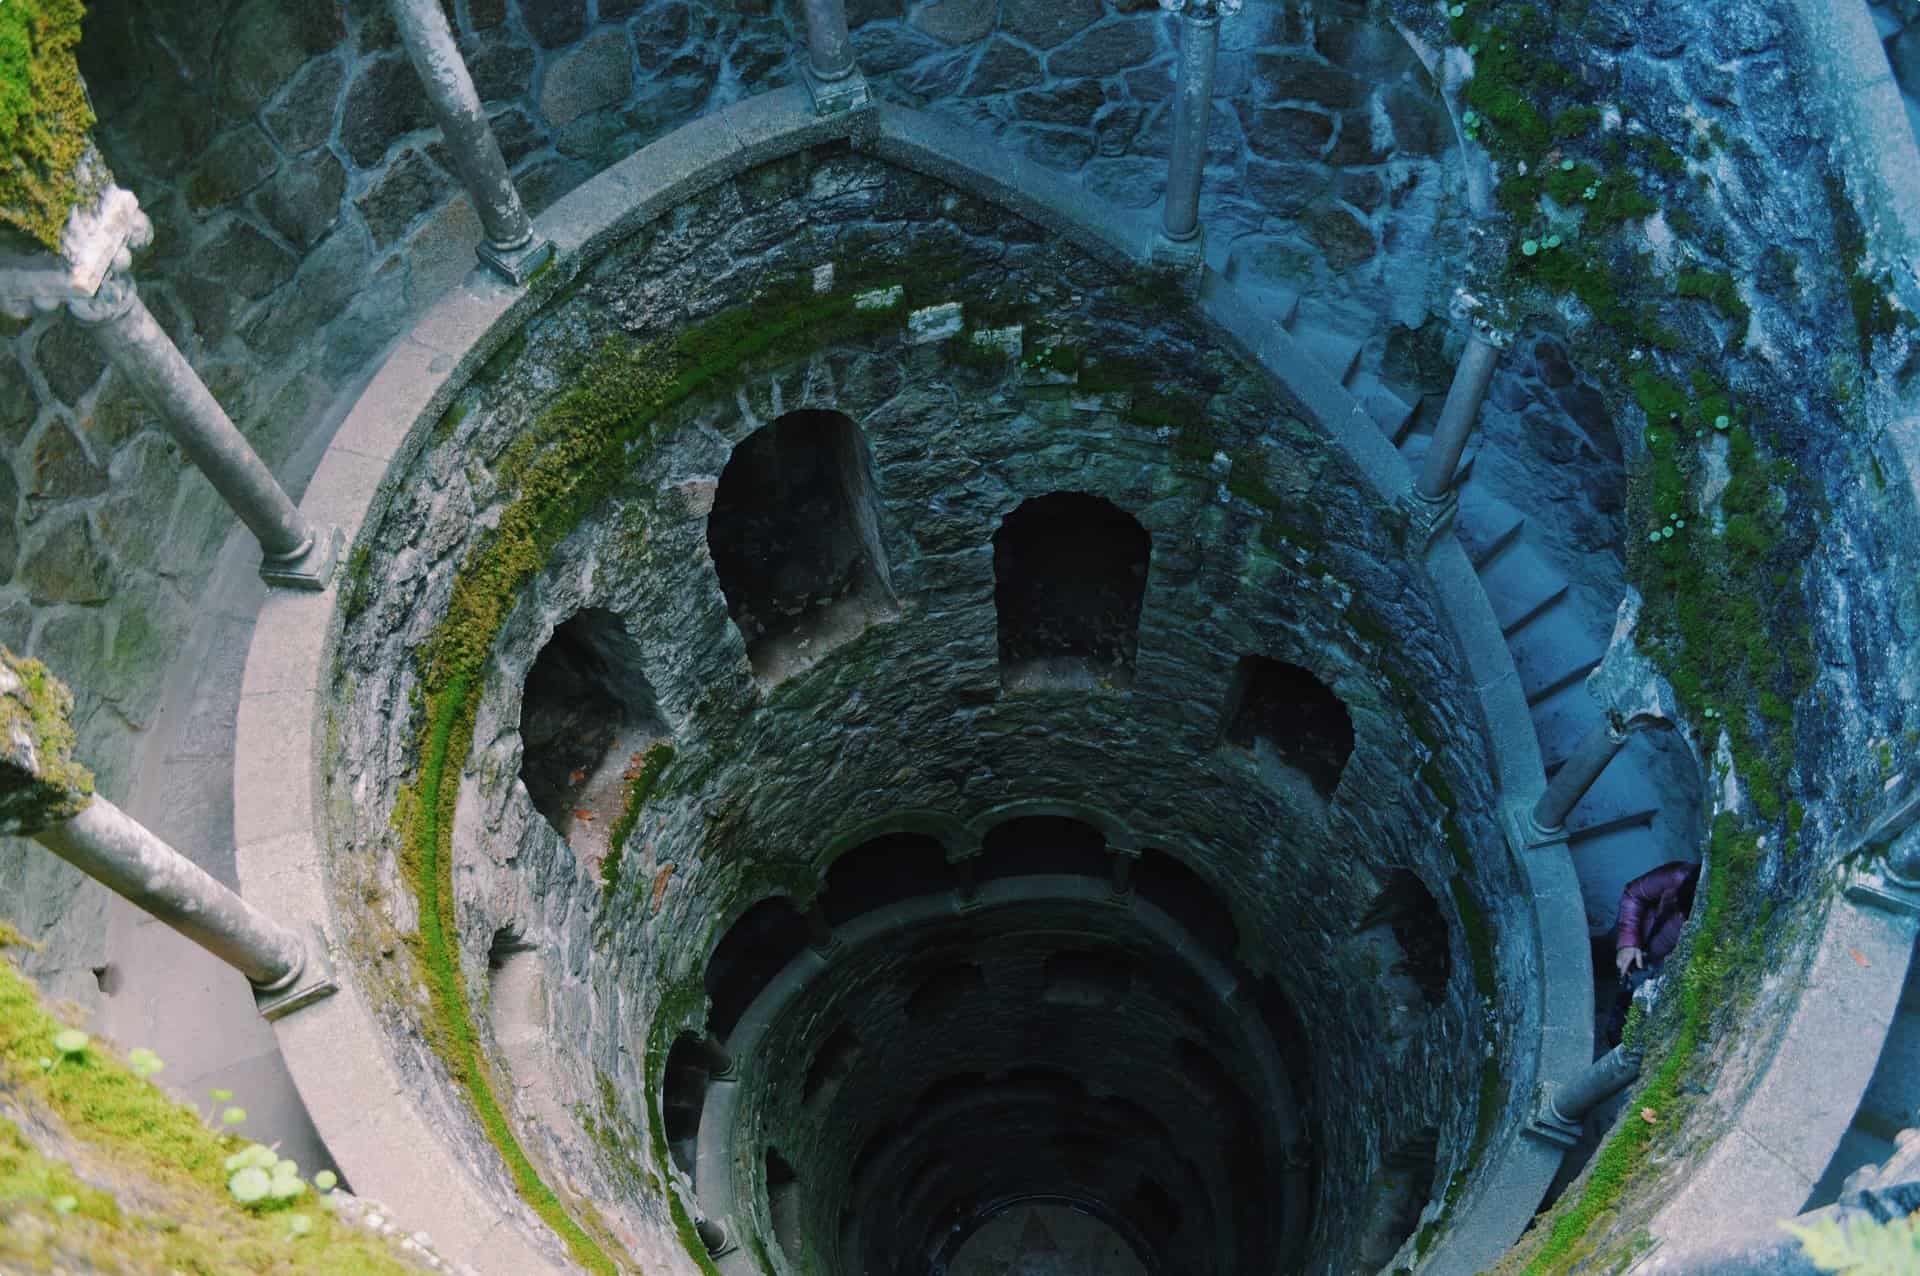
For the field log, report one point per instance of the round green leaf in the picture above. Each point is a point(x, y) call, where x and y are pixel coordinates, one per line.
point(326, 1180)
point(250, 1185)
point(299, 1224)
point(233, 1116)
point(66, 1203)
point(70, 1041)
point(1530, 247)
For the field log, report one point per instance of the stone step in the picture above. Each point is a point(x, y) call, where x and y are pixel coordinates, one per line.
point(1605, 864)
point(1594, 830)
point(1892, 1100)
point(1486, 525)
point(1554, 654)
point(1331, 349)
point(1521, 585)
point(1268, 299)
point(1414, 448)
point(1383, 403)
point(1561, 721)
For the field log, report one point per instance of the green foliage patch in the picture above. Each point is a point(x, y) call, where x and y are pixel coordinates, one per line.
point(44, 116)
point(179, 1215)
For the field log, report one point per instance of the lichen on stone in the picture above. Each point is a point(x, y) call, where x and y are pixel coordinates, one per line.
point(44, 116)
point(40, 783)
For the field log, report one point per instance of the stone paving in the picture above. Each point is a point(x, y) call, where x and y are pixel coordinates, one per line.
point(1045, 1240)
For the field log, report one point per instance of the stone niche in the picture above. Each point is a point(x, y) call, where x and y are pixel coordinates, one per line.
point(903, 745)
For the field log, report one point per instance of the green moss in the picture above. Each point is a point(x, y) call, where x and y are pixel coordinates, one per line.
point(1479, 936)
point(41, 709)
point(354, 591)
point(178, 1215)
point(561, 467)
point(1704, 983)
point(449, 421)
point(1716, 286)
point(44, 116)
point(682, 1005)
point(640, 791)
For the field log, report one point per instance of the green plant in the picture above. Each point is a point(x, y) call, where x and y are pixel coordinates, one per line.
point(44, 116)
point(1861, 1246)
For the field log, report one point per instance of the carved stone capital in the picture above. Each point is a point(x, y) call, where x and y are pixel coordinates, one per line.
point(99, 241)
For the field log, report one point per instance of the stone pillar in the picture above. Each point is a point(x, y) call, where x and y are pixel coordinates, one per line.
point(714, 1058)
point(293, 553)
point(1180, 238)
point(1122, 884)
point(88, 275)
point(510, 246)
point(828, 68)
point(1457, 418)
point(1633, 695)
point(1575, 776)
point(46, 795)
point(1607, 1076)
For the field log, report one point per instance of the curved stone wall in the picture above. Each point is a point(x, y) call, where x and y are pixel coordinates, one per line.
point(732, 816)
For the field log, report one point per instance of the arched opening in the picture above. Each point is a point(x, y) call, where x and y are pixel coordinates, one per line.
point(794, 534)
point(1043, 844)
point(831, 1065)
point(1407, 910)
point(783, 1205)
point(886, 870)
point(1185, 896)
point(1400, 1192)
point(753, 951)
point(941, 991)
point(1295, 714)
point(587, 718)
point(1069, 573)
point(1085, 979)
point(683, 1095)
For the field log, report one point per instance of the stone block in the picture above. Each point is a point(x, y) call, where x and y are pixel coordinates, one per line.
point(18, 403)
point(1357, 142)
point(1002, 67)
point(65, 563)
point(59, 469)
point(1107, 49)
point(145, 477)
point(1073, 103)
point(1046, 23)
point(882, 50)
point(302, 203)
point(327, 281)
point(239, 160)
point(1293, 77)
point(555, 23)
point(1057, 148)
point(236, 265)
point(595, 75)
point(861, 12)
point(9, 532)
point(265, 43)
point(384, 101)
point(1129, 182)
point(303, 117)
point(411, 185)
point(956, 21)
point(501, 67)
point(1285, 132)
point(69, 358)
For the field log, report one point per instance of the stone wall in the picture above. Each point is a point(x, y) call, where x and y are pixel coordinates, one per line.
point(304, 210)
point(1262, 542)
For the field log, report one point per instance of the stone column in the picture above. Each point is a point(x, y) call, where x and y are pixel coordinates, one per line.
point(828, 68)
point(1122, 882)
point(1577, 775)
point(510, 246)
point(1457, 418)
point(89, 276)
point(714, 1058)
point(1605, 1077)
point(1633, 695)
point(293, 553)
point(1181, 241)
point(47, 796)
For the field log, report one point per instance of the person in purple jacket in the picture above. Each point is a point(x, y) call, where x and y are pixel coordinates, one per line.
point(1653, 909)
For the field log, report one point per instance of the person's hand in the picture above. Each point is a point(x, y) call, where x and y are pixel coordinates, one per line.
point(1628, 958)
